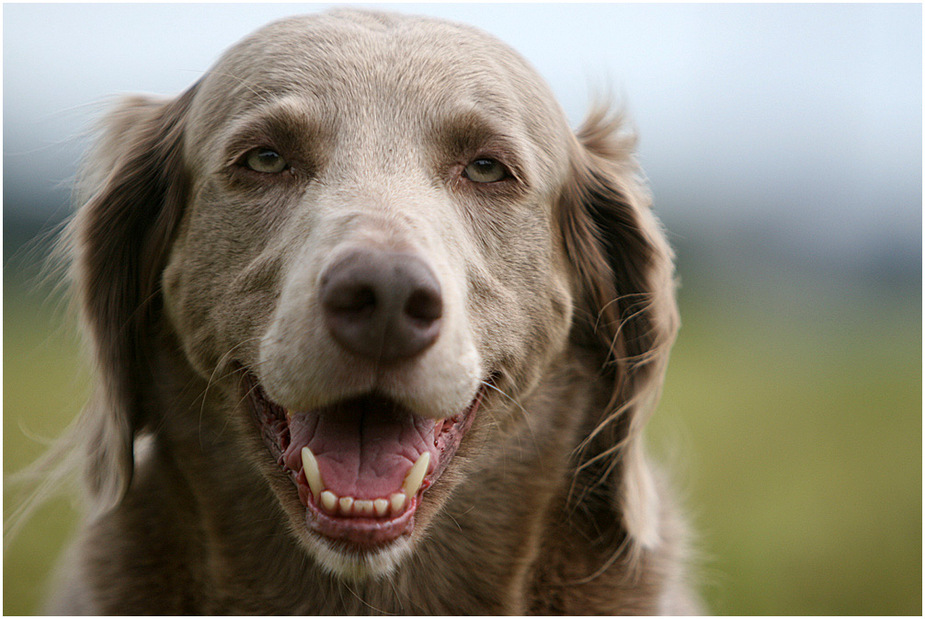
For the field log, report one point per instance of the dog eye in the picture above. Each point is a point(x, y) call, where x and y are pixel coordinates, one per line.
point(485, 170)
point(265, 160)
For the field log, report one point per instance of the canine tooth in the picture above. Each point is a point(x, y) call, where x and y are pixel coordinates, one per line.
point(329, 501)
point(381, 506)
point(416, 475)
point(363, 507)
point(346, 504)
point(312, 472)
point(397, 501)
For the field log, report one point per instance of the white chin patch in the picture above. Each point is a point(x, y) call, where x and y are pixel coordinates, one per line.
point(358, 566)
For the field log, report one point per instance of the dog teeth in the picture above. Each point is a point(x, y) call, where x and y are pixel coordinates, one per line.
point(416, 475)
point(350, 506)
point(329, 501)
point(312, 472)
point(381, 506)
point(394, 504)
point(397, 502)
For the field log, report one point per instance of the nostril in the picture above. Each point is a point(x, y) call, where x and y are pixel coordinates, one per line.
point(424, 305)
point(357, 300)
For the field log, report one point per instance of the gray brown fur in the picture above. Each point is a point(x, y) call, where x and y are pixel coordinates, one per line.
point(560, 283)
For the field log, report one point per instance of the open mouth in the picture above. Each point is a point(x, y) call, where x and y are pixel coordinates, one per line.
point(360, 465)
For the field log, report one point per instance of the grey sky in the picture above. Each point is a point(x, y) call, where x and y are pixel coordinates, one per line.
point(806, 119)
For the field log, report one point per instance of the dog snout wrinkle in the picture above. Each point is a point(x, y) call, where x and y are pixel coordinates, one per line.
point(382, 305)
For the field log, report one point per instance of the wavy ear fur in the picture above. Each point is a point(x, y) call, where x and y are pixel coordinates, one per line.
point(626, 311)
point(131, 193)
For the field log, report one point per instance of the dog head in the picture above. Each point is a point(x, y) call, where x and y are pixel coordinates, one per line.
point(366, 233)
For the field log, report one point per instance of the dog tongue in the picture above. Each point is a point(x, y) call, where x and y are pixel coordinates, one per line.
point(364, 447)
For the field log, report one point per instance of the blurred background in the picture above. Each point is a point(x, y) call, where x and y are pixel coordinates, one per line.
point(783, 144)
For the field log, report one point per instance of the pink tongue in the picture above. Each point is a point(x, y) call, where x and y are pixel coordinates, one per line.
point(364, 447)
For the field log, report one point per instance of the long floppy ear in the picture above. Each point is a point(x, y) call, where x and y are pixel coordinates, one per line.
point(626, 311)
point(131, 191)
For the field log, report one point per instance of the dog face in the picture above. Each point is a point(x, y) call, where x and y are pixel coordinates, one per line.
point(369, 235)
point(369, 240)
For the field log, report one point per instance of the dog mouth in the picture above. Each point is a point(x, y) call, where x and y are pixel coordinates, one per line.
point(360, 465)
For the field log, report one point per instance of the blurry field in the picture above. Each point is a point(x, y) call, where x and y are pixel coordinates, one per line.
point(793, 417)
point(792, 422)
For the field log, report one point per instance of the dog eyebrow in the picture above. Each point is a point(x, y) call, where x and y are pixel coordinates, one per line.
point(471, 133)
point(464, 131)
point(290, 124)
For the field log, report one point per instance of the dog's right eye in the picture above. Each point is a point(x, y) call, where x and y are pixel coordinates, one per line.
point(265, 160)
point(485, 170)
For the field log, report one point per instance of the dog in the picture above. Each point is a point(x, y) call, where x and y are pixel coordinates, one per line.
point(375, 332)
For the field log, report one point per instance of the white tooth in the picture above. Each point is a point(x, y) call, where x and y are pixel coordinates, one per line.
point(416, 475)
point(397, 501)
point(363, 507)
point(381, 506)
point(346, 505)
point(329, 501)
point(312, 472)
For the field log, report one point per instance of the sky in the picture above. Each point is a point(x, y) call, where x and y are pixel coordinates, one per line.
point(792, 122)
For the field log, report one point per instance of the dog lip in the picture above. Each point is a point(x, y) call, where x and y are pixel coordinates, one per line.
point(358, 532)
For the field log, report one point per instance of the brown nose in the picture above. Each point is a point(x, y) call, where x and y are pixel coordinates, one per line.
point(382, 305)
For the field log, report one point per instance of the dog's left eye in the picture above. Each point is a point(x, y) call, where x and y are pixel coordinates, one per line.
point(265, 160)
point(485, 170)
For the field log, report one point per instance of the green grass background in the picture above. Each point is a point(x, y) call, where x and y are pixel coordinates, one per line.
point(791, 419)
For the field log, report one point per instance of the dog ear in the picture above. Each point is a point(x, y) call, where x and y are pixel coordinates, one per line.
point(626, 312)
point(131, 190)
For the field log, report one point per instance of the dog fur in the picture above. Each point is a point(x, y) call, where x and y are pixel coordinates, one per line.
point(200, 281)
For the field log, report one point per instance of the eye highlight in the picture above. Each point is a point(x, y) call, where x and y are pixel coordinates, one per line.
point(265, 161)
point(485, 170)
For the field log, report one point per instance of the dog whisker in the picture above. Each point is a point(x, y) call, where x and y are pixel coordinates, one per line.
point(221, 363)
point(525, 415)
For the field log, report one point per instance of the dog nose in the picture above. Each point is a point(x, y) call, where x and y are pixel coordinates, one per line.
point(381, 305)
